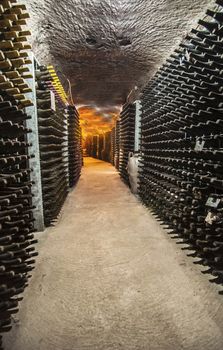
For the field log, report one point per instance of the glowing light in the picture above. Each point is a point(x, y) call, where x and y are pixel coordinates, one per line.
point(94, 122)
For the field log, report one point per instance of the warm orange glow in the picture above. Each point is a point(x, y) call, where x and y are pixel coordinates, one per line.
point(94, 122)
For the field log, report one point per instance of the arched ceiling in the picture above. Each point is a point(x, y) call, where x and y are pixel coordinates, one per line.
point(107, 47)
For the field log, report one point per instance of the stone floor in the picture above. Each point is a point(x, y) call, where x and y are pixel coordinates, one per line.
point(109, 277)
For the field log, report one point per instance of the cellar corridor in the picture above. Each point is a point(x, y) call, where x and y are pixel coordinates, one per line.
point(108, 277)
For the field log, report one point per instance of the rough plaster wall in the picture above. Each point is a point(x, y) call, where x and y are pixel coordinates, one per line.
point(106, 47)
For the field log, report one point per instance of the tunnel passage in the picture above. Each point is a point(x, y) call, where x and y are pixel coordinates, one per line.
point(110, 151)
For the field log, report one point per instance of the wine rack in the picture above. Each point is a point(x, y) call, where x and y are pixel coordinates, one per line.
point(53, 142)
point(126, 138)
point(101, 141)
point(88, 145)
point(99, 146)
point(94, 153)
point(106, 152)
point(117, 144)
point(74, 145)
point(113, 146)
point(181, 171)
point(17, 251)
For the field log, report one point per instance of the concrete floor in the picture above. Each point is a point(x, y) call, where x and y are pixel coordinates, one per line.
point(108, 277)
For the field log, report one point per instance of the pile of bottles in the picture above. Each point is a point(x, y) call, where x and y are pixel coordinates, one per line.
point(106, 151)
point(126, 138)
point(17, 240)
point(53, 143)
point(181, 171)
point(74, 145)
point(94, 148)
point(113, 146)
point(99, 146)
point(117, 146)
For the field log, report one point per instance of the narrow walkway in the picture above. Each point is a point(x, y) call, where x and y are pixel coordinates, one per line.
point(108, 277)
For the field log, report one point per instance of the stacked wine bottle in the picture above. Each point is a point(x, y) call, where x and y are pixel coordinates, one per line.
point(74, 145)
point(117, 146)
point(88, 146)
point(101, 141)
point(16, 218)
point(181, 173)
point(106, 152)
point(53, 150)
point(126, 138)
point(99, 146)
point(94, 153)
point(113, 146)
